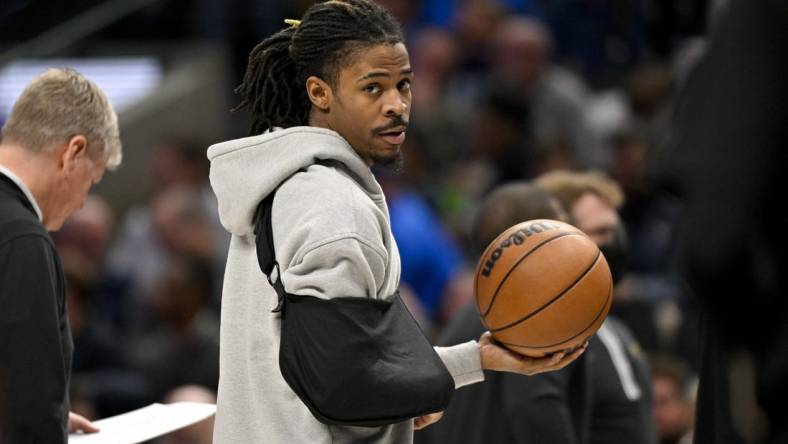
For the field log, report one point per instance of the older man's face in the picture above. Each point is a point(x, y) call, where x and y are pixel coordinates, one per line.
point(76, 184)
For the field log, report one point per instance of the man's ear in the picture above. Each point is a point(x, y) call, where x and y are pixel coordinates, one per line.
point(72, 151)
point(320, 93)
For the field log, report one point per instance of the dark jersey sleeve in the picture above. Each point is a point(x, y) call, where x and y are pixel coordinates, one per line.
point(33, 350)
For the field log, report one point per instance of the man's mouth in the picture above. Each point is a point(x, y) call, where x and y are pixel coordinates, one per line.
point(394, 136)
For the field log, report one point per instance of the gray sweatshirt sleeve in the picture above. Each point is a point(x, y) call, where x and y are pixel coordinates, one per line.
point(464, 363)
point(343, 265)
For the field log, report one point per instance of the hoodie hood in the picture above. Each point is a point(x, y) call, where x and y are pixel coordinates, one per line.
point(244, 171)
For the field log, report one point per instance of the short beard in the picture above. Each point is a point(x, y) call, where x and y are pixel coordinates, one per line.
point(390, 164)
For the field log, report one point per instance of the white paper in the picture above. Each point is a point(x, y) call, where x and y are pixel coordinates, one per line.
point(145, 423)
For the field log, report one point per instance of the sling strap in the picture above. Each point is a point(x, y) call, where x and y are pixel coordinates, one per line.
point(352, 361)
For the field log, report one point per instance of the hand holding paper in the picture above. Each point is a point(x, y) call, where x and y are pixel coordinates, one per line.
point(145, 423)
point(78, 423)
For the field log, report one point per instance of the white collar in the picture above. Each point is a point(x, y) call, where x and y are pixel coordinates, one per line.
point(24, 188)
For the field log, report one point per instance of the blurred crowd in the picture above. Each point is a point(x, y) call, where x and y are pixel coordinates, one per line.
point(504, 90)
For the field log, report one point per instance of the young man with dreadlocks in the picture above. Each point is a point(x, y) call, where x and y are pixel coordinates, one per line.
point(330, 97)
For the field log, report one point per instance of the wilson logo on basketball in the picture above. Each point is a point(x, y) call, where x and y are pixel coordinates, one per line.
point(517, 238)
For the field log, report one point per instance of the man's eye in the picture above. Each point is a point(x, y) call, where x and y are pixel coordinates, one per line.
point(372, 89)
point(404, 85)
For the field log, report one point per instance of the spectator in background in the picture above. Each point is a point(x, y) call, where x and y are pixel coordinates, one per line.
point(650, 287)
point(522, 64)
point(498, 135)
point(621, 409)
point(499, 152)
point(181, 218)
point(592, 199)
point(673, 389)
point(177, 162)
point(181, 223)
point(83, 243)
point(101, 384)
point(180, 344)
point(87, 233)
point(473, 22)
point(514, 201)
point(436, 55)
point(598, 399)
point(649, 216)
point(60, 138)
point(648, 88)
point(497, 411)
point(137, 252)
point(430, 257)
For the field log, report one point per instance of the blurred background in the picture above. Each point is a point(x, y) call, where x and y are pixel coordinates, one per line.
point(504, 90)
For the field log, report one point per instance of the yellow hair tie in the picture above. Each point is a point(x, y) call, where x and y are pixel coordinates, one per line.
point(293, 23)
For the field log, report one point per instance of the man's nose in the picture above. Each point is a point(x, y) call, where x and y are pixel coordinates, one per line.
point(395, 105)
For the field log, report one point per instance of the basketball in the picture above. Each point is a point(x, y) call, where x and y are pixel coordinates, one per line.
point(542, 286)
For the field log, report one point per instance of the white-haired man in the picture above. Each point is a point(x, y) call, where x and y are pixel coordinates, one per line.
point(61, 135)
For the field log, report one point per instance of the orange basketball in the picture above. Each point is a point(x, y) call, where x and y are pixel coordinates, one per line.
point(542, 286)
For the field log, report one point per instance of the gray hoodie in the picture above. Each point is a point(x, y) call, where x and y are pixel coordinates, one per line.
point(332, 238)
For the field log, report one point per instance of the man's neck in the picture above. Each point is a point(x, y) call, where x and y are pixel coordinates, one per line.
point(319, 119)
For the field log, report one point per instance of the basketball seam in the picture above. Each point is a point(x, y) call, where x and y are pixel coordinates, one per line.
point(522, 258)
point(606, 304)
point(555, 298)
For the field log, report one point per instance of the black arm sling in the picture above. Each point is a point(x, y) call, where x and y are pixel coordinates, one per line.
point(352, 360)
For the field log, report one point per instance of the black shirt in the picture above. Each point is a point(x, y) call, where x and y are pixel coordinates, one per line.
point(569, 406)
point(35, 340)
point(621, 410)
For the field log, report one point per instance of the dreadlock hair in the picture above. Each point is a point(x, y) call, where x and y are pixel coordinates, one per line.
point(329, 35)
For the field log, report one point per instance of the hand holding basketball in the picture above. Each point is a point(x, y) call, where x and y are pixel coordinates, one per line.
point(495, 357)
